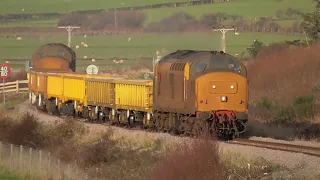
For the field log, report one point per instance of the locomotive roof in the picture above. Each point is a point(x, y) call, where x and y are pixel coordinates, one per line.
point(187, 55)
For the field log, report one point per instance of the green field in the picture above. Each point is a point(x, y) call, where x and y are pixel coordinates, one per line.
point(144, 45)
point(31, 23)
point(61, 6)
point(5, 175)
point(8, 177)
point(247, 8)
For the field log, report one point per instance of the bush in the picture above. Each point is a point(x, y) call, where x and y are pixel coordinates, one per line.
point(24, 132)
point(284, 76)
point(301, 109)
point(196, 161)
point(255, 48)
point(99, 21)
point(17, 75)
point(271, 49)
point(176, 22)
point(284, 85)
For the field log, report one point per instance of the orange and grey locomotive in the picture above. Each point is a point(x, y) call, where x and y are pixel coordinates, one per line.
point(197, 90)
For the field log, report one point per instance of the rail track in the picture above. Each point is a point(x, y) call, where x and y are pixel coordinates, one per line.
point(312, 151)
point(308, 150)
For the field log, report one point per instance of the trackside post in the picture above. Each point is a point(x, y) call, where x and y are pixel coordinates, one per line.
point(5, 72)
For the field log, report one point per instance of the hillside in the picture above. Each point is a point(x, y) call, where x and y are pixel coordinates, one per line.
point(61, 6)
point(247, 9)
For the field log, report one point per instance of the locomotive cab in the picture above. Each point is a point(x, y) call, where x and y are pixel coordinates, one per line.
point(202, 86)
point(221, 90)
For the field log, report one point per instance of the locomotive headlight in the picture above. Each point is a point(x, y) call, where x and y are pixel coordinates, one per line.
point(214, 86)
point(223, 98)
point(232, 87)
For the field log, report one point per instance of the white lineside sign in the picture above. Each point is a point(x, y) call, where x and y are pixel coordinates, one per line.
point(92, 69)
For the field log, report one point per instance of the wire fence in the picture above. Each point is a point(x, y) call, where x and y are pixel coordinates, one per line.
point(33, 162)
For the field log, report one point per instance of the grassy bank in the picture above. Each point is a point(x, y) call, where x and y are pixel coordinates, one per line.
point(110, 153)
point(6, 175)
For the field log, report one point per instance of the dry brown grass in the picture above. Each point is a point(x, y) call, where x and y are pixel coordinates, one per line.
point(285, 75)
point(203, 159)
point(103, 158)
point(284, 89)
point(110, 155)
point(196, 161)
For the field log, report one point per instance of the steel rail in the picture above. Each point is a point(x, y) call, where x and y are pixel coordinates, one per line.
point(312, 151)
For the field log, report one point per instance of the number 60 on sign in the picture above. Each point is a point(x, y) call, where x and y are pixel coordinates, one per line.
point(5, 71)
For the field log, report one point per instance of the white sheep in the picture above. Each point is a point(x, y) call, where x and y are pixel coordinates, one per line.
point(77, 46)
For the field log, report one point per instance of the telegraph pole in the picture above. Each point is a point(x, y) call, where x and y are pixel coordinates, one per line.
point(115, 18)
point(69, 29)
point(223, 31)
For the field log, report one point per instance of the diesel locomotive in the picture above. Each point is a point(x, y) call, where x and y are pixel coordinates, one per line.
point(192, 91)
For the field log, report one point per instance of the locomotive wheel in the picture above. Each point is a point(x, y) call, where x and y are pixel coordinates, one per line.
point(197, 128)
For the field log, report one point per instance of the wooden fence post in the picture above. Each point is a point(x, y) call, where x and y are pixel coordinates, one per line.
point(40, 160)
point(20, 157)
point(30, 154)
point(11, 149)
point(49, 162)
point(17, 86)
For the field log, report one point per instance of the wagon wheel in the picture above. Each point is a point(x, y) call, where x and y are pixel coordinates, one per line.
point(196, 129)
point(131, 121)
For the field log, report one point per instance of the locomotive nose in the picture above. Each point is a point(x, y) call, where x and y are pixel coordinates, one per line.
point(222, 91)
point(222, 87)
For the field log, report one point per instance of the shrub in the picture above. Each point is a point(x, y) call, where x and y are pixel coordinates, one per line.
point(17, 75)
point(284, 85)
point(198, 160)
point(99, 21)
point(255, 48)
point(24, 132)
point(284, 76)
point(176, 22)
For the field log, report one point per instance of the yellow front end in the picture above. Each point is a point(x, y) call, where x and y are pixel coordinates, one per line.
point(222, 91)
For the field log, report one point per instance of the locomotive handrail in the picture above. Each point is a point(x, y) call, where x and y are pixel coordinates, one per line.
point(19, 86)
